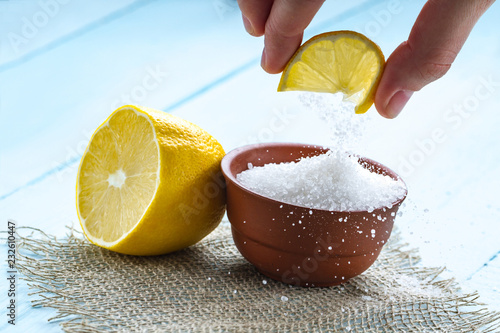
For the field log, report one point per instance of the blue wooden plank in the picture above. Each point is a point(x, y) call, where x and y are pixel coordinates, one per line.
point(236, 102)
point(72, 35)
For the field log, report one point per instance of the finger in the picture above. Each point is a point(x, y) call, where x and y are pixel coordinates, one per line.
point(255, 14)
point(284, 29)
point(437, 36)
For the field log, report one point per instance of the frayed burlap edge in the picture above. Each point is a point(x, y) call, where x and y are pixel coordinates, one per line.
point(209, 287)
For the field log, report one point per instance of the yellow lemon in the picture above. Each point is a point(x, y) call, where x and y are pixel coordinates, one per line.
point(339, 61)
point(149, 183)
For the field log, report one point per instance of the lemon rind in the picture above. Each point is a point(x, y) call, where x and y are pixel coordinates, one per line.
point(362, 106)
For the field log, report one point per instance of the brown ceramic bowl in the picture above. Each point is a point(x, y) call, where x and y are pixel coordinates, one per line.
point(325, 248)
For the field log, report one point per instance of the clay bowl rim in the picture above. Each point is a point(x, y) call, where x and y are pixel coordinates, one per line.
point(229, 158)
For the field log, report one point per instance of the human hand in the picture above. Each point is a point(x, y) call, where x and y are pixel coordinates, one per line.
point(437, 36)
point(282, 22)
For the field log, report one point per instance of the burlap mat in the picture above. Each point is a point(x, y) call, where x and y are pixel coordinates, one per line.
point(210, 287)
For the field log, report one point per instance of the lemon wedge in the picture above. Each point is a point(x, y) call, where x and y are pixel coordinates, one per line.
point(339, 61)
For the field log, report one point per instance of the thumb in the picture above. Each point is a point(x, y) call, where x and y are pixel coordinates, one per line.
point(437, 36)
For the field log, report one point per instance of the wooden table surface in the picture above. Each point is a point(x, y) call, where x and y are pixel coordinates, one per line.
point(65, 66)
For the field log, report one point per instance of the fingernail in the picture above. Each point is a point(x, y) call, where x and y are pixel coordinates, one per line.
point(398, 102)
point(263, 60)
point(248, 26)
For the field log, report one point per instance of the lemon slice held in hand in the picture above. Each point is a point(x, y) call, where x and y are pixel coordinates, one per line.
point(149, 183)
point(339, 61)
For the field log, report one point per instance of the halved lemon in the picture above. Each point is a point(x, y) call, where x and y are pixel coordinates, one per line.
point(339, 61)
point(149, 183)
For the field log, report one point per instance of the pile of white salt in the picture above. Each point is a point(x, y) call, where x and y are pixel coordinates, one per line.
point(333, 181)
